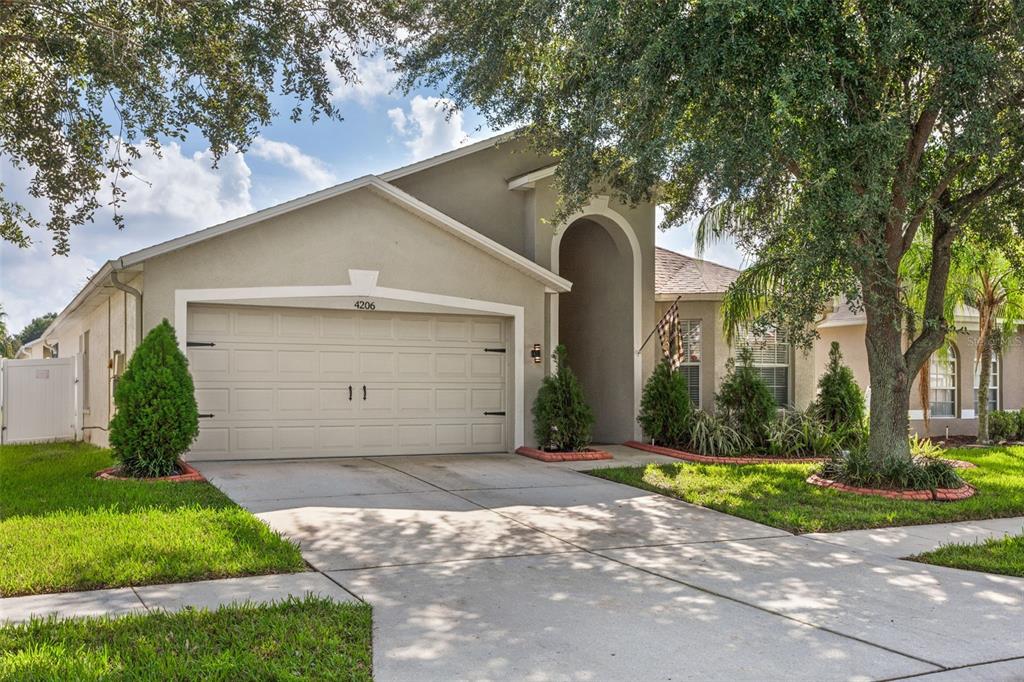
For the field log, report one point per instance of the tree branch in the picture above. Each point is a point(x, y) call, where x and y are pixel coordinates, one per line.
point(918, 217)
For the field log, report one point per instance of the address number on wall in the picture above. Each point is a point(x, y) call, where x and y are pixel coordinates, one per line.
point(365, 305)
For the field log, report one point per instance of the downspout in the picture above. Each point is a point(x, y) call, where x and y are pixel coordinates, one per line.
point(118, 284)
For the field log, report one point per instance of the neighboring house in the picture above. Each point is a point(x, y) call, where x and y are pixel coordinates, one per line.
point(409, 312)
point(793, 374)
point(953, 371)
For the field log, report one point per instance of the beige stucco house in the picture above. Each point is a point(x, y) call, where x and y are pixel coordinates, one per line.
point(793, 374)
point(412, 312)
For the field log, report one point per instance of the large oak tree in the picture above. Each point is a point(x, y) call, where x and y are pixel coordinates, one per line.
point(820, 134)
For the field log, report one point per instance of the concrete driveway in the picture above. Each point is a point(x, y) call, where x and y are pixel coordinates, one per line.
point(497, 567)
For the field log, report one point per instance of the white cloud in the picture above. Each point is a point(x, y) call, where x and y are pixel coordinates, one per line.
point(375, 79)
point(288, 155)
point(429, 127)
point(683, 240)
point(169, 196)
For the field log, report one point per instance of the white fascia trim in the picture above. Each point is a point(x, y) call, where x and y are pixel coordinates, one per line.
point(689, 297)
point(842, 323)
point(135, 257)
point(598, 206)
point(468, 234)
point(529, 180)
point(364, 283)
point(456, 153)
point(102, 275)
point(407, 201)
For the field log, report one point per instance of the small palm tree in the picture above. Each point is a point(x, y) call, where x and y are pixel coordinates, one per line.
point(996, 290)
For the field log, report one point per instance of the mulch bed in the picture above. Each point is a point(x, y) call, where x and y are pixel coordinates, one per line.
point(937, 495)
point(544, 456)
point(189, 474)
point(711, 459)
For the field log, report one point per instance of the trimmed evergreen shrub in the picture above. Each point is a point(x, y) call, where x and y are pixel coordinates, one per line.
point(561, 417)
point(1020, 424)
point(744, 400)
point(1002, 425)
point(157, 419)
point(840, 403)
point(665, 407)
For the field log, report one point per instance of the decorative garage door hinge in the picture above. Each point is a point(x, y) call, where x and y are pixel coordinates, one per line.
point(191, 344)
point(494, 350)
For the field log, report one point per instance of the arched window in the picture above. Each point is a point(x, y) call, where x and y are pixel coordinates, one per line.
point(942, 384)
point(993, 385)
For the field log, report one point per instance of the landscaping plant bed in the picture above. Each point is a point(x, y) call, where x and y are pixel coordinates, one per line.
point(936, 495)
point(189, 474)
point(580, 456)
point(711, 459)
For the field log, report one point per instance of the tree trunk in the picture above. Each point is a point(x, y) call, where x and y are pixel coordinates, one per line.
point(985, 371)
point(890, 387)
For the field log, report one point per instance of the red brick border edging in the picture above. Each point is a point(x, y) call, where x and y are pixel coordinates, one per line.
point(711, 459)
point(544, 456)
point(937, 495)
point(189, 474)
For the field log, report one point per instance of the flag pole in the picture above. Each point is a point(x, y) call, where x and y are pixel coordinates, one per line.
point(644, 344)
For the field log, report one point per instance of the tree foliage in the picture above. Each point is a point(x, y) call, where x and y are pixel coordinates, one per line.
point(35, 328)
point(87, 83)
point(820, 136)
point(157, 418)
point(561, 417)
point(665, 406)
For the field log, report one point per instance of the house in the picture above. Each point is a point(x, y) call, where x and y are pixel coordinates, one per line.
point(792, 374)
point(410, 312)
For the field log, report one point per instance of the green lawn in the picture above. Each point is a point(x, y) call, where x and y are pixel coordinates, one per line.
point(776, 494)
point(61, 529)
point(309, 639)
point(1005, 556)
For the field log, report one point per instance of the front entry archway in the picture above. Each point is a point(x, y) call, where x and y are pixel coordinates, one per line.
point(597, 320)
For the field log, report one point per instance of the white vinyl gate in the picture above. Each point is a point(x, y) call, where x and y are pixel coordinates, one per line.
point(38, 399)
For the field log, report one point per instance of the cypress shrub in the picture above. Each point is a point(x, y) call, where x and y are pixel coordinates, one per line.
point(665, 407)
point(744, 400)
point(561, 417)
point(840, 404)
point(157, 418)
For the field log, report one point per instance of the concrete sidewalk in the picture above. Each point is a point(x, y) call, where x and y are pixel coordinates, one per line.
point(203, 594)
point(904, 541)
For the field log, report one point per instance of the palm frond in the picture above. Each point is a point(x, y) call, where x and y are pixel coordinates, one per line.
point(751, 294)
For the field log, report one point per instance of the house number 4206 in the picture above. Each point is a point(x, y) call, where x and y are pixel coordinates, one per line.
point(365, 305)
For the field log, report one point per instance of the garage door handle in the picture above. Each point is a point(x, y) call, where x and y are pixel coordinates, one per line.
point(494, 414)
point(205, 416)
point(364, 392)
point(350, 393)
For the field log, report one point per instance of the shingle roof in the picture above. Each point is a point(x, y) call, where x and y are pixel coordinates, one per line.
point(676, 274)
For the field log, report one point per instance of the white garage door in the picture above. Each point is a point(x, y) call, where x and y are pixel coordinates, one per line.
point(288, 382)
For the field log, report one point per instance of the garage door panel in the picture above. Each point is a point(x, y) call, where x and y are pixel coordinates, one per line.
point(289, 383)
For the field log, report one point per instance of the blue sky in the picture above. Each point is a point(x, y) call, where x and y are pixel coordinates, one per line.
point(381, 130)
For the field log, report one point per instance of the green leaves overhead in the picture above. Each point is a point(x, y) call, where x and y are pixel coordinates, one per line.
point(85, 84)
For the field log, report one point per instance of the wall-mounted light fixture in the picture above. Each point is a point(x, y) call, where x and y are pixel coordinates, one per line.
point(535, 353)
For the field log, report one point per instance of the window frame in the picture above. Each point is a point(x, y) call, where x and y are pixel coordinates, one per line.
point(995, 384)
point(953, 357)
point(686, 327)
point(782, 347)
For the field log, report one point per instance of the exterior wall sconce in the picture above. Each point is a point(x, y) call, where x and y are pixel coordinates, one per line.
point(535, 353)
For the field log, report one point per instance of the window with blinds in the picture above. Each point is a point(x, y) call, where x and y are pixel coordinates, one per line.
point(942, 383)
point(690, 335)
point(772, 359)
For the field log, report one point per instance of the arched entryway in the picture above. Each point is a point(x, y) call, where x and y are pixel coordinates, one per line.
point(597, 320)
